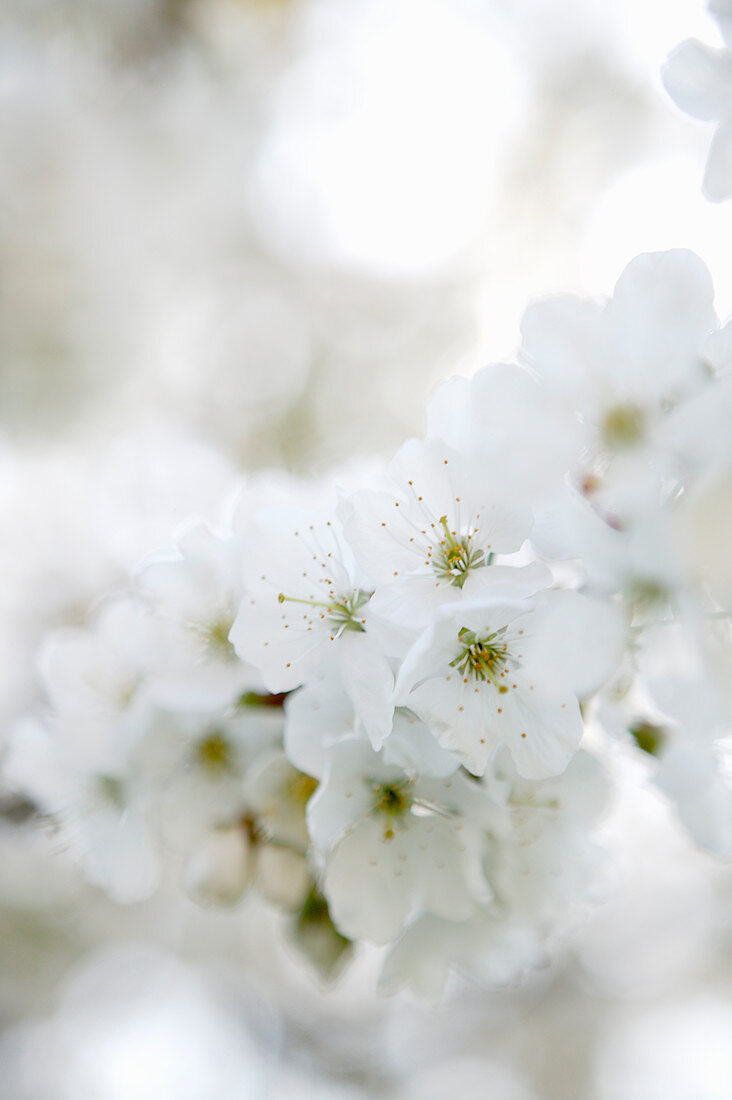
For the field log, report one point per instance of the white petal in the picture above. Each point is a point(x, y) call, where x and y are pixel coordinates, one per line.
point(542, 732)
point(493, 951)
point(562, 339)
point(199, 582)
point(315, 717)
point(689, 775)
point(716, 351)
point(411, 602)
point(274, 642)
point(430, 655)
point(369, 683)
point(412, 747)
point(661, 310)
point(381, 535)
point(699, 79)
point(506, 581)
point(450, 878)
point(36, 764)
point(718, 174)
point(368, 886)
point(576, 641)
point(460, 716)
point(346, 793)
point(505, 417)
point(722, 12)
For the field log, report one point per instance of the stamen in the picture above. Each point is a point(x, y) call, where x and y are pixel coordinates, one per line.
point(341, 612)
point(456, 556)
point(483, 659)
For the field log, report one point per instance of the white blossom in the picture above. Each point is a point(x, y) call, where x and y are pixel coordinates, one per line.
point(622, 367)
point(310, 604)
point(510, 672)
point(197, 591)
point(434, 537)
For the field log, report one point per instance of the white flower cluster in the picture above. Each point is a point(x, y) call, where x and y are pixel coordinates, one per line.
point(373, 708)
point(699, 79)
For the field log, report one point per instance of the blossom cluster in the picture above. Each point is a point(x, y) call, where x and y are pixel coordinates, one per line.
point(383, 702)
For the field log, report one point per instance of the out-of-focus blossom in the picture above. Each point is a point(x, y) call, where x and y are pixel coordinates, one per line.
point(699, 80)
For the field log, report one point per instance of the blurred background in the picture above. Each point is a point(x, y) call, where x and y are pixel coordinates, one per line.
point(238, 234)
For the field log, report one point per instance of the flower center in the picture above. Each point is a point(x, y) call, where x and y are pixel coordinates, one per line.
point(483, 659)
point(111, 790)
point(344, 613)
point(215, 636)
point(213, 753)
point(392, 800)
point(456, 556)
point(648, 737)
point(646, 593)
point(623, 426)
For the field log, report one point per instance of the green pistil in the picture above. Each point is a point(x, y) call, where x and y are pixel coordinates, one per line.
point(647, 592)
point(482, 658)
point(112, 790)
point(344, 614)
point(392, 800)
point(456, 557)
point(623, 426)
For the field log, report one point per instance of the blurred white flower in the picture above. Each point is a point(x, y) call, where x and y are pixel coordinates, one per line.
point(699, 79)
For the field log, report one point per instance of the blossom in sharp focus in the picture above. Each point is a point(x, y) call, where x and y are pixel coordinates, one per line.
point(436, 537)
point(510, 672)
